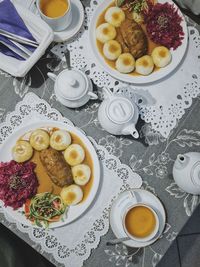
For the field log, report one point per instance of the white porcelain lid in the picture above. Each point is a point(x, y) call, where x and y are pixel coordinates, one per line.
point(72, 84)
point(120, 110)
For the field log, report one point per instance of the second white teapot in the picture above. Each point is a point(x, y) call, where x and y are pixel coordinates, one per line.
point(186, 172)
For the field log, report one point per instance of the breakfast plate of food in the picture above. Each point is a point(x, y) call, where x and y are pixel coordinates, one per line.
point(138, 41)
point(49, 174)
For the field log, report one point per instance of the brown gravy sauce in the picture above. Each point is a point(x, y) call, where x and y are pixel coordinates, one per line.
point(45, 183)
point(111, 63)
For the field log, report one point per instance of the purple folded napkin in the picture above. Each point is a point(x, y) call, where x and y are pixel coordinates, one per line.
point(10, 21)
point(5, 50)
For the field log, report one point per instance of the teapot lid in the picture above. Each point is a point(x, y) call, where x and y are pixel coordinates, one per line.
point(120, 110)
point(72, 84)
point(195, 173)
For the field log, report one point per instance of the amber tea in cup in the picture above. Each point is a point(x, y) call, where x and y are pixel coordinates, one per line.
point(56, 13)
point(54, 8)
point(141, 222)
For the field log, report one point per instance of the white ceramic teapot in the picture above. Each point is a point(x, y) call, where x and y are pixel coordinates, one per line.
point(118, 115)
point(186, 172)
point(72, 88)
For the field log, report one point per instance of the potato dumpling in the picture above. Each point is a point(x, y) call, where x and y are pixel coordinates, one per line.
point(125, 63)
point(144, 65)
point(161, 56)
point(115, 16)
point(22, 151)
point(74, 154)
point(60, 140)
point(71, 195)
point(39, 139)
point(112, 49)
point(81, 174)
point(105, 32)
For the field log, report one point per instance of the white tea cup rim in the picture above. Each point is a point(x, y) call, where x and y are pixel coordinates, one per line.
point(154, 232)
point(55, 18)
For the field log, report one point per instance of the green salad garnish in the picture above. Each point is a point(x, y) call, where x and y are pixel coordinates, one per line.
point(44, 208)
point(136, 6)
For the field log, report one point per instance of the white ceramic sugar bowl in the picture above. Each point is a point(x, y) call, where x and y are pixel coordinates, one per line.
point(72, 88)
point(186, 172)
point(118, 115)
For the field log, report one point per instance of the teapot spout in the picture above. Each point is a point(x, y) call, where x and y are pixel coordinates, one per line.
point(131, 130)
point(182, 161)
point(108, 93)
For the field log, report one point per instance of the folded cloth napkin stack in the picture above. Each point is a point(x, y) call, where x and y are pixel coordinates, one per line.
point(15, 38)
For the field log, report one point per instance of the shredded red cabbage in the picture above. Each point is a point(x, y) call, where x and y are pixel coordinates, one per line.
point(163, 25)
point(18, 182)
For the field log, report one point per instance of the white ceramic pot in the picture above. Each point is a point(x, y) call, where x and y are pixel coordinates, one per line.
point(186, 172)
point(72, 88)
point(118, 115)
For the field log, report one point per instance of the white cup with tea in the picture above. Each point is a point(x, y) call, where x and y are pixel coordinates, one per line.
point(140, 222)
point(56, 13)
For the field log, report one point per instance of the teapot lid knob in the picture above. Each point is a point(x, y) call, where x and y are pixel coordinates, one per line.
point(72, 84)
point(71, 81)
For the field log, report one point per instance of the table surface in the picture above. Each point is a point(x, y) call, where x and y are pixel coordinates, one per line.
point(151, 156)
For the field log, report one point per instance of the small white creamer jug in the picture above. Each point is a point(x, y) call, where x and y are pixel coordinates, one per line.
point(72, 88)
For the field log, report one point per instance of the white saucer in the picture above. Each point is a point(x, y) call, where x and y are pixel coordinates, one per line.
point(125, 200)
point(74, 27)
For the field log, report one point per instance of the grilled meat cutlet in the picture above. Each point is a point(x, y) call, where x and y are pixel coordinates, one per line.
point(132, 38)
point(56, 166)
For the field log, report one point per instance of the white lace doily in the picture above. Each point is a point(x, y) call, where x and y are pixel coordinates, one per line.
point(72, 244)
point(172, 94)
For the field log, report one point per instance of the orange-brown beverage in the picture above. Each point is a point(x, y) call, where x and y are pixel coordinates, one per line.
point(140, 221)
point(54, 8)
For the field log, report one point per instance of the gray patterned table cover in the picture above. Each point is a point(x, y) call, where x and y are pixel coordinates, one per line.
point(151, 156)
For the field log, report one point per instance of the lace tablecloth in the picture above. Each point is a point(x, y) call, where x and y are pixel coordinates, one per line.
point(72, 244)
point(172, 95)
point(151, 157)
point(153, 163)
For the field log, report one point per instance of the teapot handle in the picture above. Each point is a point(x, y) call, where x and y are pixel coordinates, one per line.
point(135, 134)
point(92, 96)
point(52, 76)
